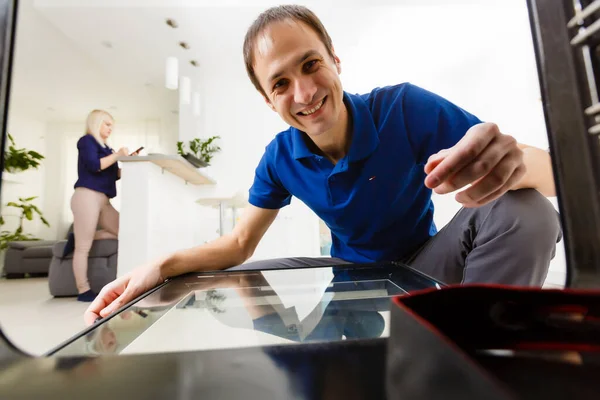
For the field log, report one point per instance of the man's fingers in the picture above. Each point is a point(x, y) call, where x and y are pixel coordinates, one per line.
point(465, 151)
point(106, 295)
point(118, 302)
point(515, 177)
point(435, 160)
point(477, 168)
point(492, 182)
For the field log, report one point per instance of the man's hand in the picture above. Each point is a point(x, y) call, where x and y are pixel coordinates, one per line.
point(122, 290)
point(485, 158)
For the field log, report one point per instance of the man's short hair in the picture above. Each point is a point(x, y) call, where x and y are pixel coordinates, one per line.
point(278, 14)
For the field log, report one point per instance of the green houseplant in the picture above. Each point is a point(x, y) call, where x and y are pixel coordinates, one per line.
point(19, 160)
point(28, 211)
point(201, 151)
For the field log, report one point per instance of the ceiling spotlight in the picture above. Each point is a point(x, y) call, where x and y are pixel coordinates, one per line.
point(184, 45)
point(172, 23)
point(194, 63)
point(106, 44)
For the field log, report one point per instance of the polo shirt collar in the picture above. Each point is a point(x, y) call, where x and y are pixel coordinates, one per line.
point(365, 138)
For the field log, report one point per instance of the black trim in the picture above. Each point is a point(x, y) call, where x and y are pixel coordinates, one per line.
point(102, 321)
point(570, 144)
point(8, 18)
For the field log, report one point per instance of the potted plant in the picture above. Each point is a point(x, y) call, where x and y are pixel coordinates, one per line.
point(201, 151)
point(19, 160)
point(28, 211)
point(15, 161)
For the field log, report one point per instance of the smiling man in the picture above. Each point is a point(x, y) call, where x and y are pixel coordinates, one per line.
point(367, 164)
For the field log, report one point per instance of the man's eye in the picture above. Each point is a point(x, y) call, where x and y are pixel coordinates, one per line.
point(308, 66)
point(279, 84)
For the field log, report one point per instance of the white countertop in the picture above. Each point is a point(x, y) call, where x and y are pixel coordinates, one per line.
point(176, 165)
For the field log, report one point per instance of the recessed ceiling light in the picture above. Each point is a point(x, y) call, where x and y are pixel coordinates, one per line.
point(113, 108)
point(50, 109)
point(194, 63)
point(107, 44)
point(172, 23)
point(184, 45)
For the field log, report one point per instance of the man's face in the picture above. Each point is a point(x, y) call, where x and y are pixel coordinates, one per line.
point(299, 77)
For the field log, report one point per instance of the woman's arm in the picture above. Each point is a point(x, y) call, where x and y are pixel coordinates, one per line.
point(88, 152)
point(107, 161)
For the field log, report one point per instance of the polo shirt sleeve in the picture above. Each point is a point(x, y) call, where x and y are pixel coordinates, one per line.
point(432, 122)
point(267, 191)
point(88, 153)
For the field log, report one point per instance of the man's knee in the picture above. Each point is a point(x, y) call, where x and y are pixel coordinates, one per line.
point(531, 216)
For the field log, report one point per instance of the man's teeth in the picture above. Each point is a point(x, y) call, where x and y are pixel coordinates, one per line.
point(313, 110)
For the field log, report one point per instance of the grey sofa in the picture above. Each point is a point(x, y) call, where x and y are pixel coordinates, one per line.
point(28, 257)
point(102, 267)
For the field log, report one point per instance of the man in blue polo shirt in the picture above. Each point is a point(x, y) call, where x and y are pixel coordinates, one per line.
point(366, 164)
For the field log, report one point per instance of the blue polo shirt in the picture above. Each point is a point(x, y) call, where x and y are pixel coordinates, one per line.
point(374, 200)
point(88, 167)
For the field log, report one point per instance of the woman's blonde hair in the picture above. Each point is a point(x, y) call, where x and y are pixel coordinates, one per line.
point(94, 121)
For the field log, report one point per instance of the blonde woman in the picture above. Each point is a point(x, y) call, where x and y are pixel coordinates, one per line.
point(98, 172)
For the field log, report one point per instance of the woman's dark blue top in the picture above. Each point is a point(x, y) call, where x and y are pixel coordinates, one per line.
point(88, 167)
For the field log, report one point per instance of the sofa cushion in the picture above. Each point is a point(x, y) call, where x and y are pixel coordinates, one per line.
point(100, 248)
point(25, 244)
point(101, 270)
point(38, 252)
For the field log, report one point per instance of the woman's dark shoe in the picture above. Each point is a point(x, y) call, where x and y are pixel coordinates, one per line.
point(87, 297)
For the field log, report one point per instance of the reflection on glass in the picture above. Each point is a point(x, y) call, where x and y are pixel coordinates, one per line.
point(344, 310)
point(240, 309)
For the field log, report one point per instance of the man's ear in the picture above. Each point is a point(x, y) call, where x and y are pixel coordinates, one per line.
point(336, 59)
point(271, 106)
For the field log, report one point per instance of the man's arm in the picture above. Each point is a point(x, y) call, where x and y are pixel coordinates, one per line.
point(539, 171)
point(227, 251)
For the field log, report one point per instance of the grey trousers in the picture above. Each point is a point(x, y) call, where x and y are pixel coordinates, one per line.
point(509, 241)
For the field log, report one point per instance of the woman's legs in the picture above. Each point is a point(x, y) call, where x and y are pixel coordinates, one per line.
point(109, 222)
point(86, 205)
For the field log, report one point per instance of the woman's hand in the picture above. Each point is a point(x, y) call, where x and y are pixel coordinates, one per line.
point(123, 151)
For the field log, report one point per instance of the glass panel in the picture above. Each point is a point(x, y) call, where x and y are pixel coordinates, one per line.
point(253, 308)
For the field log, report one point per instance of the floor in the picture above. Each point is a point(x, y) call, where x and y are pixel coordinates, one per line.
point(36, 322)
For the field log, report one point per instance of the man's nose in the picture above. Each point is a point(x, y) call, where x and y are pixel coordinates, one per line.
point(304, 91)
